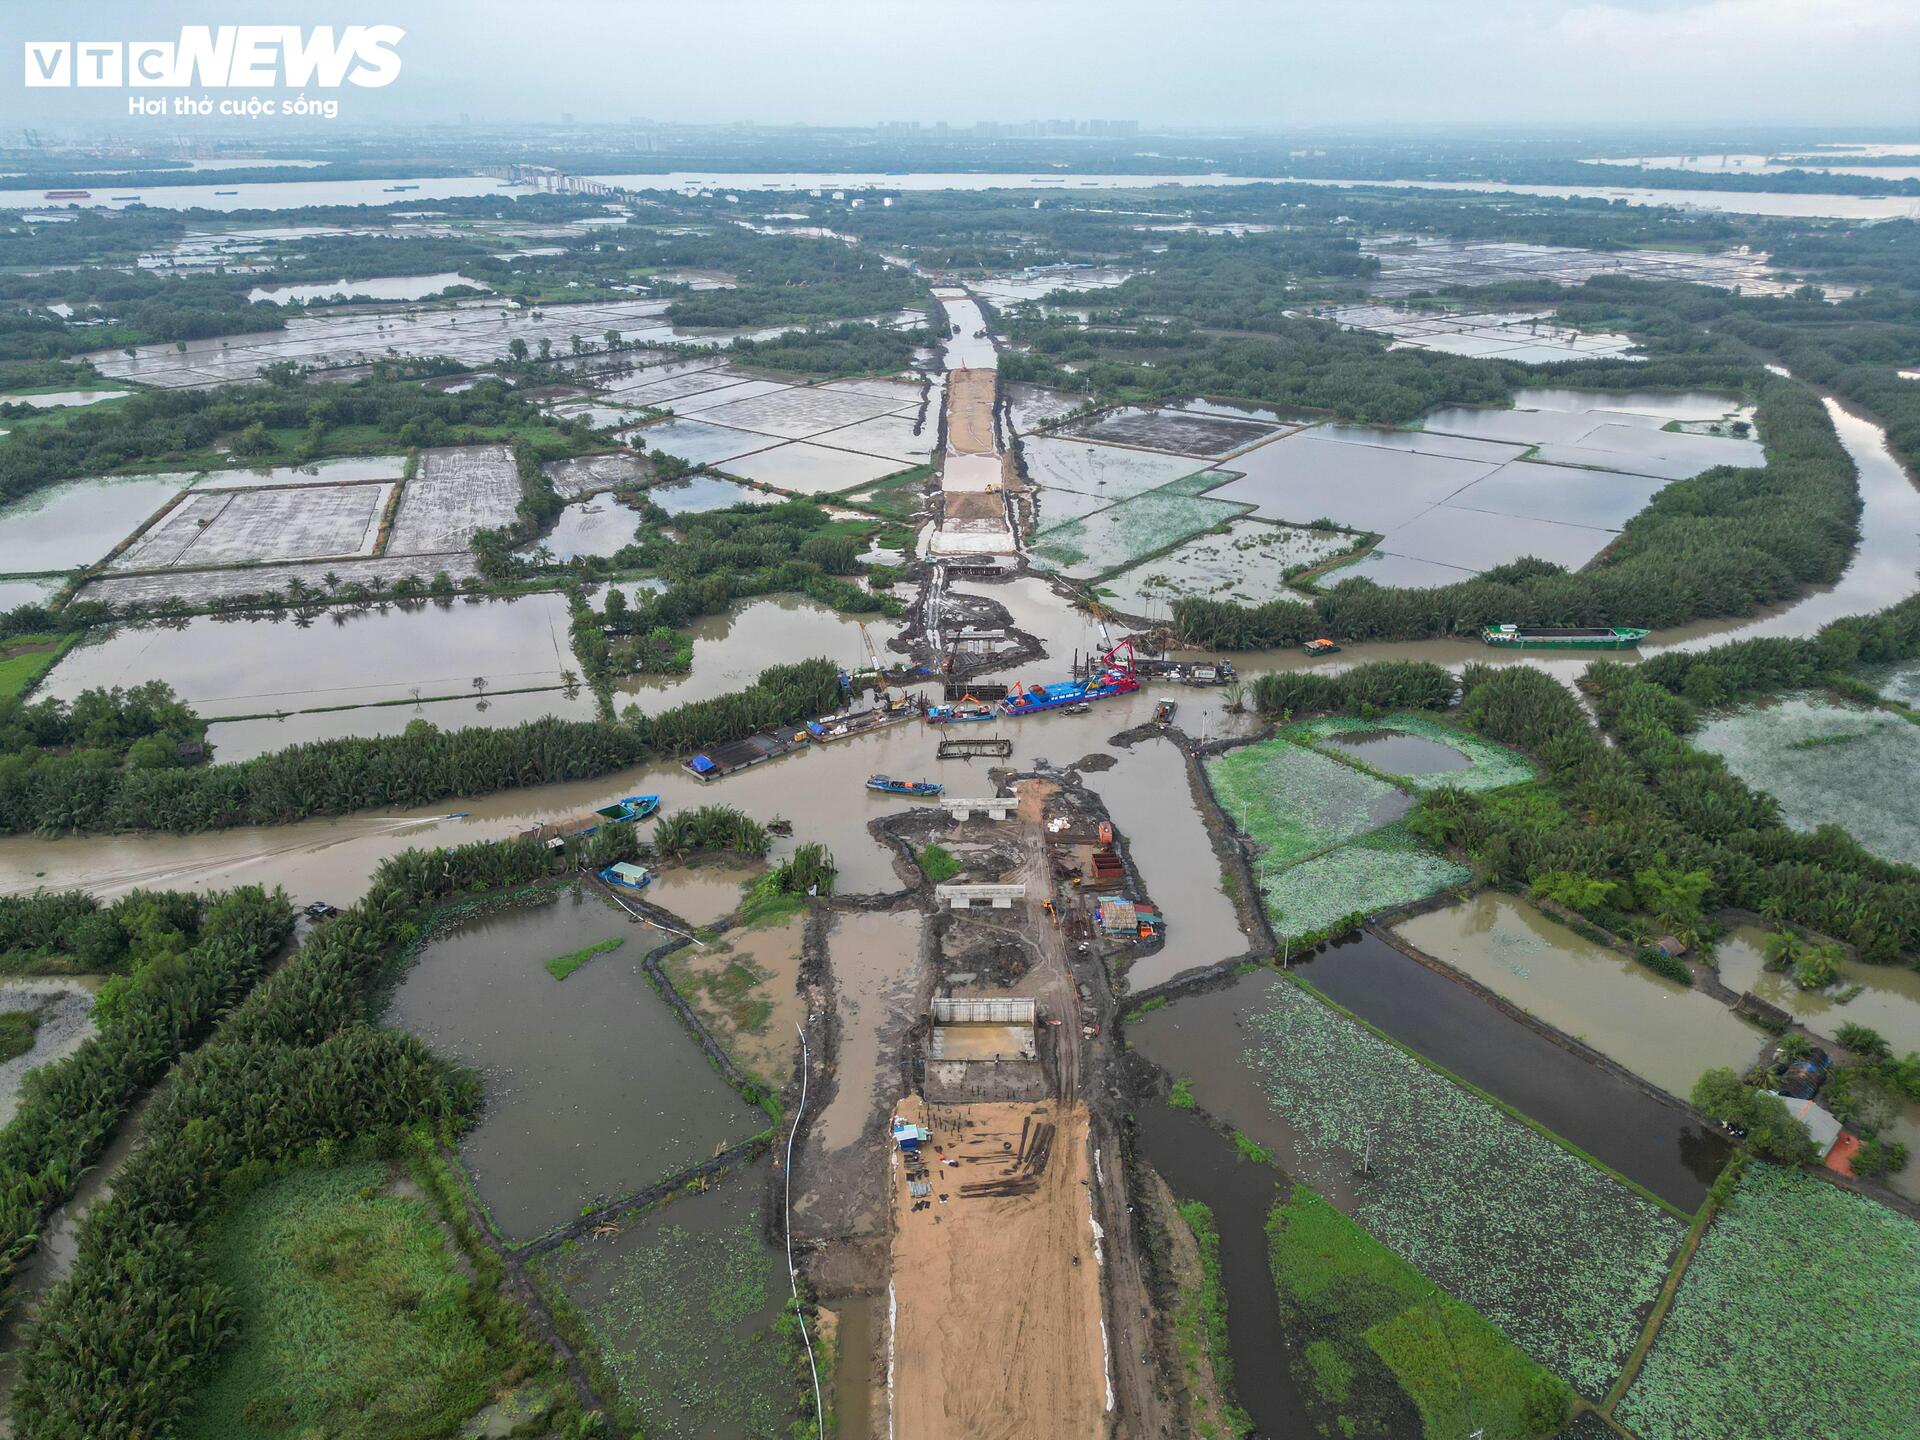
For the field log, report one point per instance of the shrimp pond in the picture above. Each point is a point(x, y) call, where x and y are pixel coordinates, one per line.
point(627, 1100)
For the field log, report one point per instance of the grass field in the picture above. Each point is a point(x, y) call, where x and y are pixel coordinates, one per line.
point(25, 658)
point(353, 1321)
point(1799, 1315)
point(561, 966)
point(1385, 1351)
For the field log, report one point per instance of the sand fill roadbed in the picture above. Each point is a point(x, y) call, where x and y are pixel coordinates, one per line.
point(997, 1291)
point(970, 395)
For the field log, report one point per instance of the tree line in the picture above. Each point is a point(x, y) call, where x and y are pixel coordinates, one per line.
point(90, 790)
point(297, 1074)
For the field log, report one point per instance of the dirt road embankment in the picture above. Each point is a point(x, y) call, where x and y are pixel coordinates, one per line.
point(970, 397)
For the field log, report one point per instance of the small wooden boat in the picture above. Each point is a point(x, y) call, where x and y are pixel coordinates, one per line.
point(1322, 646)
point(1567, 637)
point(633, 807)
point(886, 784)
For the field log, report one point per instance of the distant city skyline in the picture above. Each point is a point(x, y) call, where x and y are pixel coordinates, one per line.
point(1220, 63)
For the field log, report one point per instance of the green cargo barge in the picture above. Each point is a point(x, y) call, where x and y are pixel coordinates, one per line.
point(1572, 637)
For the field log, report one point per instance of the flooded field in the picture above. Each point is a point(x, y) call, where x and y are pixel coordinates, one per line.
point(804, 469)
point(1243, 563)
point(1650, 1141)
point(679, 1306)
point(731, 649)
point(1526, 336)
point(1119, 535)
point(1412, 265)
point(63, 527)
point(1180, 432)
point(379, 287)
point(1662, 1032)
point(1828, 763)
point(1555, 1253)
point(260, 664)
point(624, 1101)
point(1889, 998)
point(600, 526)
point(63, 1022)
point(1457, 496)
point(62, 399)
point(254, 526)
point(701, 493)
point(746, 987)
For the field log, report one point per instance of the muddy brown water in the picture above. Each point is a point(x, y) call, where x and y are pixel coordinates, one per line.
point(264, 664)
point(1398, 754)
point(1645, 1138)
point(592, 1088)
point(332, 859)
point(1663, 1032)
point(1146, 794)
point(853, 1397)
point(876, 972)
point(731, 650)
point(1889, 998)
point(1200, 1165)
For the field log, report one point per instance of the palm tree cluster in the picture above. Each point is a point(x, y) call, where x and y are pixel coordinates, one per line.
point(1370, 689)
point(69, 1109)
point(711, 827)
point(1650, 805)
point(91, 790)
point(296, 1071)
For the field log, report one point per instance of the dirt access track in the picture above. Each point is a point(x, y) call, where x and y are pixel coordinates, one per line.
point(997, 1313)
point(970, 396)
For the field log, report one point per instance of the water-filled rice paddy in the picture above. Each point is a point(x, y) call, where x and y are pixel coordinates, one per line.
point(1244, 563)
point(264, 664)
point(1828, 764)
point(1121, 534)
point(63, 527)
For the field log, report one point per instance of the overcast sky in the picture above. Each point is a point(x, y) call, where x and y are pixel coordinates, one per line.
point(1266, 63)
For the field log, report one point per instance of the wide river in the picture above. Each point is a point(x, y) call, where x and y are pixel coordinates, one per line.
point(295, 194)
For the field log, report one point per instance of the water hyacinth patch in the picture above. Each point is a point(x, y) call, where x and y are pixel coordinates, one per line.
point(1374, 873)
point(1557, 1254)
point(681, 1310)
point(1826, 764)
point(1295, 802)
point(1798, 1315)
point(1490, 766)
